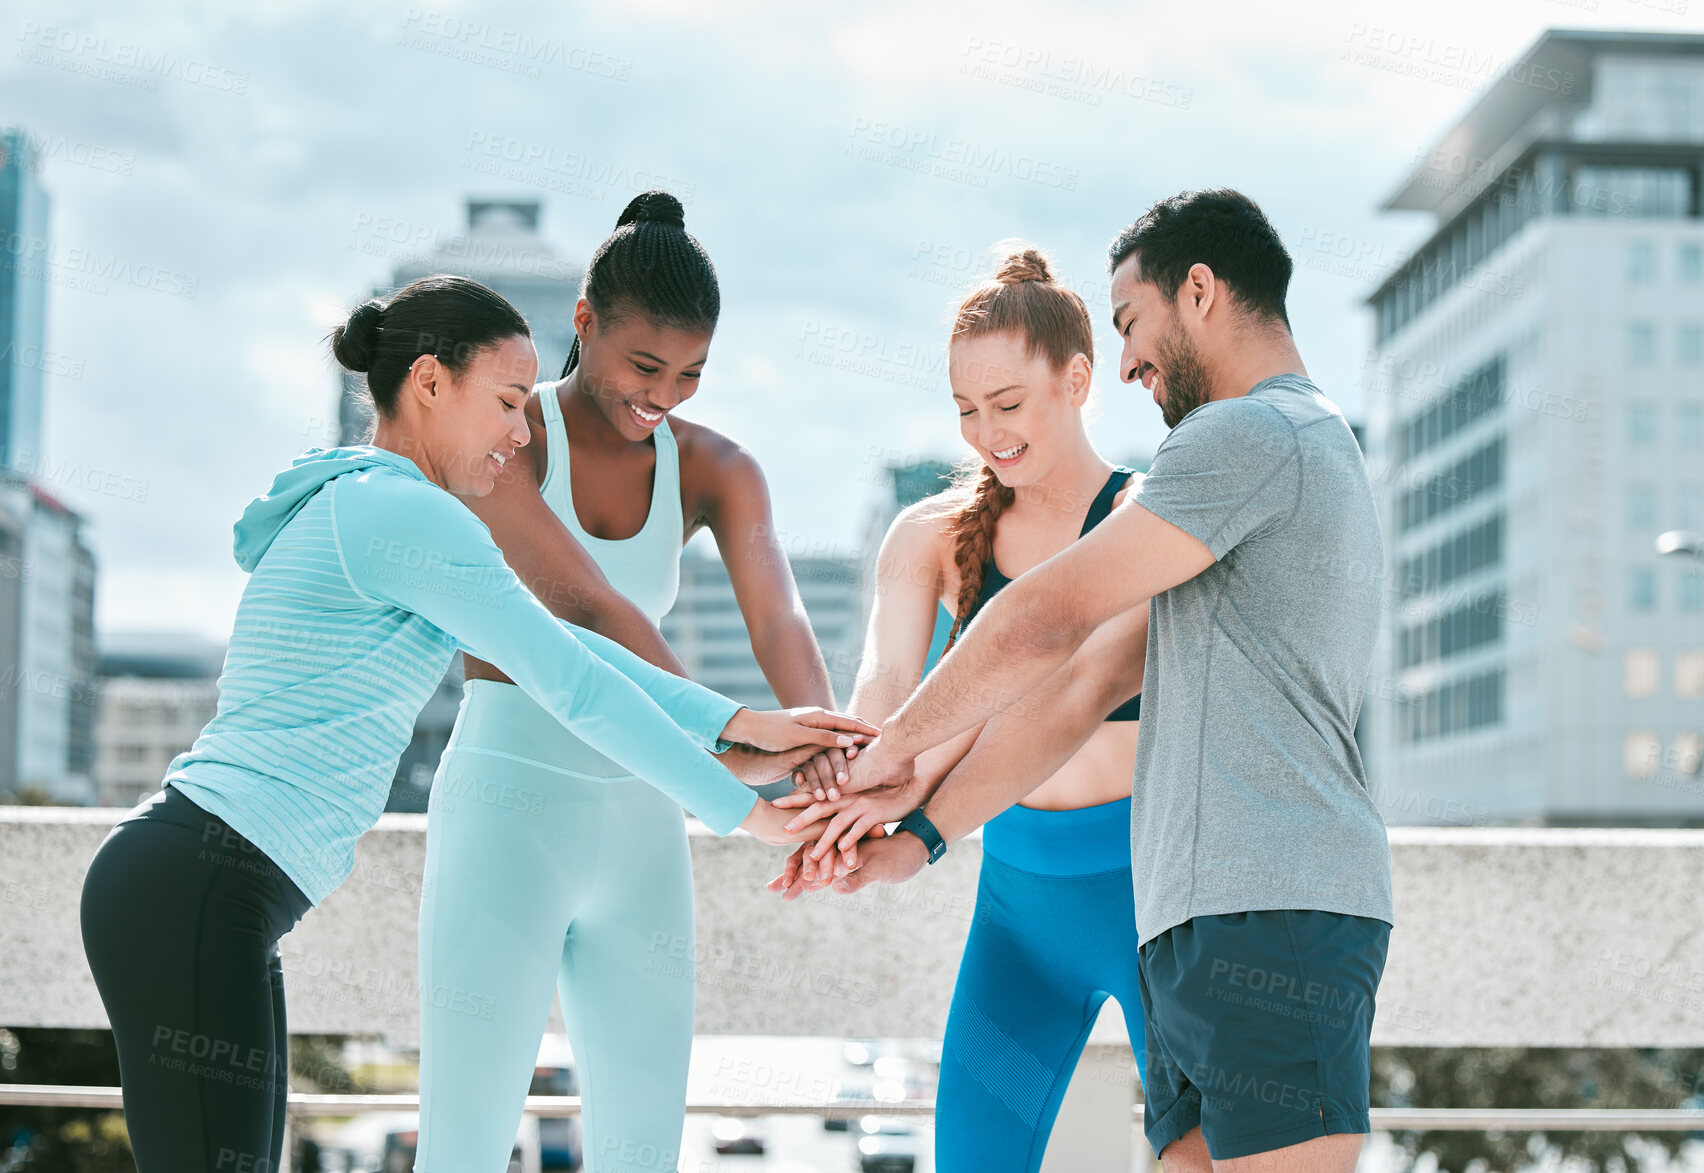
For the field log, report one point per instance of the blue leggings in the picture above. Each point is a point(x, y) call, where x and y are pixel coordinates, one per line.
point(539, 878)
point(1054, 934)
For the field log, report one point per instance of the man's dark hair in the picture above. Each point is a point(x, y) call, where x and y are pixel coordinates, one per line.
point(1222, 229)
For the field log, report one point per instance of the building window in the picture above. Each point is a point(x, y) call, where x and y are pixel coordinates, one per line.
point(1641, 262)
point(1476, 473)
point(1640, 98)
point(1456, 707)
point(1689, 344)
point(1641, 343)
point(1476, 396)
point(1641, 672)
point(1691, 266)
point(1460, 554)
point(1472, 625)
point(1690, 432)
point(1641, 753)
point(1689, 673)
point(1642, 506)
point(1690, 514)
point(727, 660)
point(1691, 590)
point(1687, 752)
point(1632, 191)
point(1642, 424)
point(1643, 593)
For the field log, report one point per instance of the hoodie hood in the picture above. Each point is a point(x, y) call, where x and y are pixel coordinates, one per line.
point(296, 485)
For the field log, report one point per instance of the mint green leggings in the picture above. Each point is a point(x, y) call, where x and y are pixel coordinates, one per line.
point(570, 876)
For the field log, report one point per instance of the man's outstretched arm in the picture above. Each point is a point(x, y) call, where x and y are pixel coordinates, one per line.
point(1018, 751)
point(1012, 755)
point(1030, 628)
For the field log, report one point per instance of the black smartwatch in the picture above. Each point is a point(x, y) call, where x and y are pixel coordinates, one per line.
point(919, 825)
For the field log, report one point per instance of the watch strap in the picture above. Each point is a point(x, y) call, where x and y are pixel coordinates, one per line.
point(919, 825)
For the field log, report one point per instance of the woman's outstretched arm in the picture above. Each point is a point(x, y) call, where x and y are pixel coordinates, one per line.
point(413, 546)
point(910, 579)
point(732, 498)
point(736, 507)
point(553, 564)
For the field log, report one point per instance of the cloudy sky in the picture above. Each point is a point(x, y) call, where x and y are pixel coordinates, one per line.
point(846, 169)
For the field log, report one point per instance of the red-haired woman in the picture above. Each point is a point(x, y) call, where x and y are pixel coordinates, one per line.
point(1055, 928)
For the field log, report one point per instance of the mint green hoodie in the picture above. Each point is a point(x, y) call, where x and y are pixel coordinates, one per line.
point(365, 580)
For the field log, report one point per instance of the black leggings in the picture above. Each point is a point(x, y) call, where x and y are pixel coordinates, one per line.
point(181, 920)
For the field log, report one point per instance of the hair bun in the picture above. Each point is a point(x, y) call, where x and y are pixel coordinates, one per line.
point(354, 342)
point(653, 207)
point(1026, 264)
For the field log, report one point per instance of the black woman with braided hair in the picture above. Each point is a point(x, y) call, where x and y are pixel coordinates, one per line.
point(549, 866)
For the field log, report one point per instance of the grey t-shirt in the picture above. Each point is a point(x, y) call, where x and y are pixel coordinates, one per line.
point(1249, 790)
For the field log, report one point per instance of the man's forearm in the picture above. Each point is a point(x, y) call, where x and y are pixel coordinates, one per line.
point(1012, 646)
point(1016, 752)
point(933, 765)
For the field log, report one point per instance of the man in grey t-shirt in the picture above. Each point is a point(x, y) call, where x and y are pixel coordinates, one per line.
point(1251, 794)
point(1261, 866)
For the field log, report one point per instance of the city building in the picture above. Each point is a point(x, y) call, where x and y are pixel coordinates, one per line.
point(49, 685)
point(412, 784)
point(23, 300)
point(502, 248)
point(14, 576)
point(899, 485)
point(1537, 388)
point(156, 693)
point(707, 632)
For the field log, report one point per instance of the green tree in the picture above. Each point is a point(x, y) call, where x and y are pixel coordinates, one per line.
point(1534, 1077)
point(62, 1140)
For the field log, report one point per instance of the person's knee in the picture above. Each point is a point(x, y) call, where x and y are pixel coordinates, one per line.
point(1187, 1154)
point(1337, 1152)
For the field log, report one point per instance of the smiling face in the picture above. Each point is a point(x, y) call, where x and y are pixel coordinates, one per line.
point(1156, 347)
point(1014, 408)
point(635, 370)
point(482, 417)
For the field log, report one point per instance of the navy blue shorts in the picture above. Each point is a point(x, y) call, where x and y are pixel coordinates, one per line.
point(1258, 1028)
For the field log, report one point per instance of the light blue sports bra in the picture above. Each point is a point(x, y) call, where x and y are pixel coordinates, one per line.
point(646, 566)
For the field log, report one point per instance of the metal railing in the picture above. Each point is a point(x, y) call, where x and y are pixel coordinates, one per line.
point(304, 1105)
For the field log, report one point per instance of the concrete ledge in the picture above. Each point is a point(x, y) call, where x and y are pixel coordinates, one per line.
point(1505, 937)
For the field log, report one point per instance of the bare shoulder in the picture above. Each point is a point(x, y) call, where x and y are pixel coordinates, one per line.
point(1130, 489)
point(709, 458)
point(925, 522)
point(920, 538)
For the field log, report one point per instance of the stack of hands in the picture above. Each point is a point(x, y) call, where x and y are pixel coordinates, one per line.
point(847, 788)
point(848, 845)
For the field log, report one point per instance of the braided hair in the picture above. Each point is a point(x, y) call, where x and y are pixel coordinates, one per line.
point(1022, 298)
point(651, 265)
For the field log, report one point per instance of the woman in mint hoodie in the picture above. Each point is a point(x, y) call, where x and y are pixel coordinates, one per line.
point(366, 576)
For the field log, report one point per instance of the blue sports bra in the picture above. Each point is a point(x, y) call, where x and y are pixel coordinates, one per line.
point(993, 580)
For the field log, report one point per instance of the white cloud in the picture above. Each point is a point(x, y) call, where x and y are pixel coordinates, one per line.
point(350, 113)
